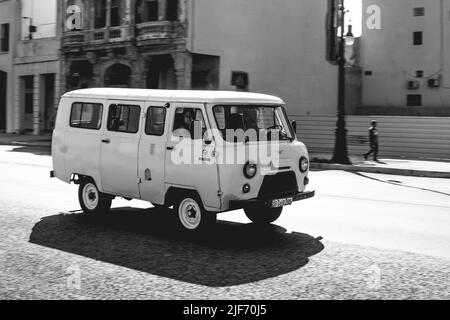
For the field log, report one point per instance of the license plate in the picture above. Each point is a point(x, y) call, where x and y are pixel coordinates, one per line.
point(281, 202)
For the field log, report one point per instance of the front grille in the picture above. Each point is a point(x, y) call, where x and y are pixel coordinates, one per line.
point(278, 185)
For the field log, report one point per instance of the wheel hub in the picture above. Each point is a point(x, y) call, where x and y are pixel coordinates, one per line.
point(192, 213)
point(91, 195)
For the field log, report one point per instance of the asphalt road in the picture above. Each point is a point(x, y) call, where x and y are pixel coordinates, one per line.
point(362, 237)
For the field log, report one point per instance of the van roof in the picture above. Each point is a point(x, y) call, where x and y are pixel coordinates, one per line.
point(174, 95)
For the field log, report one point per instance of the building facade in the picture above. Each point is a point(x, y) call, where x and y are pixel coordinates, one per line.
point(124, 43)
point(36, 66)
point(405, 57)
point(7, 30)
point(276, 47)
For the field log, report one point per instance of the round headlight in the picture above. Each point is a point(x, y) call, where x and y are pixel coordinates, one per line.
point(250, 170)
point(304, 164)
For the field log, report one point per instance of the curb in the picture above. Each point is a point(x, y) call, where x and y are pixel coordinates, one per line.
point(26, 144)
point(393, 171)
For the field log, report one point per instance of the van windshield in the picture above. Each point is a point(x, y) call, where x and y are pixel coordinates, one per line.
point(252, 123)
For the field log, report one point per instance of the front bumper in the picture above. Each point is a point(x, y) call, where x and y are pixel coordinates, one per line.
point(239, 204)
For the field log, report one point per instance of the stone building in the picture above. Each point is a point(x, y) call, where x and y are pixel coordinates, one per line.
point(124, 43)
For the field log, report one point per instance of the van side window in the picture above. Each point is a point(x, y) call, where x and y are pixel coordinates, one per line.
point(124, 118)
point(86, 115)
point(156, 119)
point(189, 122)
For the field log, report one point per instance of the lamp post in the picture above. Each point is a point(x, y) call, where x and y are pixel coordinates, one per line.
point(340, 154)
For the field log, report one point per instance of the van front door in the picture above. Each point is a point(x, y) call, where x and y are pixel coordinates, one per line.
point(190, 156)
point(119, 151)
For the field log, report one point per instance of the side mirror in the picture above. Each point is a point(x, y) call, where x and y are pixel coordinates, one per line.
point(294, 126)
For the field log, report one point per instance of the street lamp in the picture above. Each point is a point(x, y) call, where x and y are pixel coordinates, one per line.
point(349, 37)
point(340, 154)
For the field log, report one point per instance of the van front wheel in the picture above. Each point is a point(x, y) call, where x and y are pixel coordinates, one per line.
point(263, 215)
point(192, 216)
point(92, 201)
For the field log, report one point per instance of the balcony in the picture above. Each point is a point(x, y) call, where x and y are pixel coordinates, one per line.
point(159, 30)
point(147, 32)
point(109, 34)
point(73, 38)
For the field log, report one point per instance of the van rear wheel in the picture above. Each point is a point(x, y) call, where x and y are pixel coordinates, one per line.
point(92, 201)
point(192, 216)
point(263, 215)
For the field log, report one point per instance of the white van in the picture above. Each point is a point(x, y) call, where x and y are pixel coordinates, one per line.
point(195, 153)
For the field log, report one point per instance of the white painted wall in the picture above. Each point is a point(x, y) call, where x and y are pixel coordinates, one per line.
point(389, 52)
point(281, 44)
point(43, 13)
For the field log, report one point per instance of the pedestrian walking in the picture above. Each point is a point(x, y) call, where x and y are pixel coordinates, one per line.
point(373, 140)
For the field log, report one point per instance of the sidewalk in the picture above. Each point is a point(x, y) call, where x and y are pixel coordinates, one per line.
point(401, 167)
point(26, 140)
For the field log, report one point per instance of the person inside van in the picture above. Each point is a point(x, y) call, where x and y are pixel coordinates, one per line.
point(183, 121)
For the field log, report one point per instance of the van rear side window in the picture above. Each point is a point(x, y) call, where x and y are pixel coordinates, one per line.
point(124, 118)
point(86, 115)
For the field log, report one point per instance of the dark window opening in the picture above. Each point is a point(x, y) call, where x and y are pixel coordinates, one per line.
point(4, 45)
point(418, 38)
point(419, 73)
point(414, 100)
point(147, 10)
point(205, 72)
point(100, 13)
point(124, 118)
point(117, 75)
point(28, 90)
point(3, 89)
point(419, 12)
point(172, 10)
point(115, 13)
point(240, 80)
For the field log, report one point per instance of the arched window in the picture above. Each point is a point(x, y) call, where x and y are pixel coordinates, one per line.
point(117, 75)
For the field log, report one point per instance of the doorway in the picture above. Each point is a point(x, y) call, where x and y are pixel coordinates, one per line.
point(3, 91)
point(48, 102)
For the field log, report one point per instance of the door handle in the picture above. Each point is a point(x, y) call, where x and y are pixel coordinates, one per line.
point(106, 141)
point(170, 148)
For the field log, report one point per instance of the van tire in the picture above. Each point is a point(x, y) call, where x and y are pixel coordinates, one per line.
point(92, 201)
point(191, 215)
point(263, 215)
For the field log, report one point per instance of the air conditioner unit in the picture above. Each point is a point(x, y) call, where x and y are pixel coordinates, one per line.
point(413, 85)
point(433, 83)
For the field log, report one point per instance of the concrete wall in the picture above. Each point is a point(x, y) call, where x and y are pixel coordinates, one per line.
point(281, 44)
point(393, 59)
point(6, 60)
point(410, 137)
point(37, 58)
